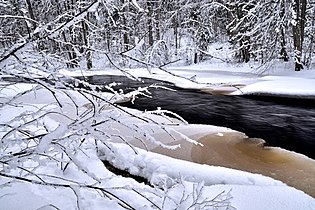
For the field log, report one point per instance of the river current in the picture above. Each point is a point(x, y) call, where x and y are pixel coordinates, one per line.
point(271, 123)
point(288, 123)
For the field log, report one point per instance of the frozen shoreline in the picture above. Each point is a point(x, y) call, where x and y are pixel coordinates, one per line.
point(230, 80)
point(246, 190)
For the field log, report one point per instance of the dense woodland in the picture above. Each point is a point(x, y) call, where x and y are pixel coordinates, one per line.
point(157, 32)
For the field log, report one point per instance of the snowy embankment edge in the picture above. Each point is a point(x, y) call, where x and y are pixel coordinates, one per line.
point(163, 170)
point(155, 167)
point(231, 81)
point(248, 190)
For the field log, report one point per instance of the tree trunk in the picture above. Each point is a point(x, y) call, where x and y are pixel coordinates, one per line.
point(245, 55)
point(125, 29)
point(283, 51)
point(87, 51)
point(31, 13)
point(157, 21)
point(72, 56)
point(150, 22)
point(299, 7)
point(176, 38)
point(308, 58)
point(20, 24)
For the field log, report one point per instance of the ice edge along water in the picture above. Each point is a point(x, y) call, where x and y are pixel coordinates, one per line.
point(248, 190)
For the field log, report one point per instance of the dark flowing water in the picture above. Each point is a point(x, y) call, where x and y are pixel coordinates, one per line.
point(283, 125)
point(282, 122)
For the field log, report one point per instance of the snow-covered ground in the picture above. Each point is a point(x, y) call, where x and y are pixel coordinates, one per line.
point(230, 79)
point(87, 184)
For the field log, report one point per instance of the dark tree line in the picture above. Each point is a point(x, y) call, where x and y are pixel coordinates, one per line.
point(157, 32)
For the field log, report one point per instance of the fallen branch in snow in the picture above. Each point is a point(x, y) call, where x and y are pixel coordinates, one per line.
point(171, 62)
point(137, 60)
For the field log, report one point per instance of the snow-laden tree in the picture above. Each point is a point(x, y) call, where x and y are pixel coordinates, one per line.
point(157, 33)
point(309, 34)
point(55, 126)
point(269, 30)
point(298, 28)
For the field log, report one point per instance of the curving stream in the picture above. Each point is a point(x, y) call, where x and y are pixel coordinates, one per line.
point(284, 125)
point(281, 122)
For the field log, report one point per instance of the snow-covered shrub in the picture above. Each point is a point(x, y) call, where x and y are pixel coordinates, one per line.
point(53, 126)
point(54, 130)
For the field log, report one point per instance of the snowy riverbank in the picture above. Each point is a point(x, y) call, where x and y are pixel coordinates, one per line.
point(87, 184)
point(229, 79)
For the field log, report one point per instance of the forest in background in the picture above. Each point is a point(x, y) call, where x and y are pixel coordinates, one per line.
point(154, 33)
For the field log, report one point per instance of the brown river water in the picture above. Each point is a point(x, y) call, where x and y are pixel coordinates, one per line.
point(264, 117)
point(234, 150)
